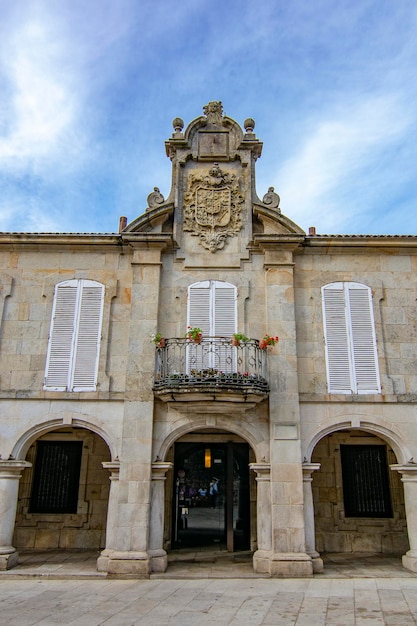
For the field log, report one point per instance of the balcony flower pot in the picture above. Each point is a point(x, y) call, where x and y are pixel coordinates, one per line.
point(194, 334)
point(237, 338)
point(267, 341)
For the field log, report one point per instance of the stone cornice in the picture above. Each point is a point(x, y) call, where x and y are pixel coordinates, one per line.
point(361, 241)
point(267, 241)
point(310, 398)
point(60, 239)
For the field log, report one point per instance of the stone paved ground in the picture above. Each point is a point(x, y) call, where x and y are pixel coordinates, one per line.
point(64, 588)
point(289, 602)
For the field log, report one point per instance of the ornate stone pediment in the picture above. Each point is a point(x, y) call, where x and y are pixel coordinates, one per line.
point(212, 207)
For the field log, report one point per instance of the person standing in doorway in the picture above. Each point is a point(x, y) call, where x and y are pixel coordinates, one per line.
point(214, 492)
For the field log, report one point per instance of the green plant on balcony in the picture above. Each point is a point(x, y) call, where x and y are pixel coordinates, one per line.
point(158, 340)
point(237, 338)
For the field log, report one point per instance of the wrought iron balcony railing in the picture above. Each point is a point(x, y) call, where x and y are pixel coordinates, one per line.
point(212, 364)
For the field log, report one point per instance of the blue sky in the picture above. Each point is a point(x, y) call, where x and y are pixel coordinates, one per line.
point(89, 89)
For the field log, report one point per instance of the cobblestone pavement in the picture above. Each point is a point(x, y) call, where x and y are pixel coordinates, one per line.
point(66, 589)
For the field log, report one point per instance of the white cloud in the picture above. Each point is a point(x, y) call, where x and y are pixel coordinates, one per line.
point(312, 181)
point(41, 105)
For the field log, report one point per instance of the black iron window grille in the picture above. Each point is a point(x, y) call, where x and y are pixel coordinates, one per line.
point(56, 477)
point(366, 490)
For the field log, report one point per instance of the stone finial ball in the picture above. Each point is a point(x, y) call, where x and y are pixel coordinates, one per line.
point(249, 125)
point(178, 124)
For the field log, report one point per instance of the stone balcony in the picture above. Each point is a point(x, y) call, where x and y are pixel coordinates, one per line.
point(212, 370)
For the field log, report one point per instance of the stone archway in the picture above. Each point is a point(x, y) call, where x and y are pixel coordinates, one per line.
point(63, 496)
point(370, 517)
point(230, 457)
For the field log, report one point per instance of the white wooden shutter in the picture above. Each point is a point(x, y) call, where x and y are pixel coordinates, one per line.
point(60, 349)
point(365, 357)
point(351, 355)
point(199, 311)
point(74, 341)
point(87, 339)
point(212, 307)
point(224, 324)
point(224, 309)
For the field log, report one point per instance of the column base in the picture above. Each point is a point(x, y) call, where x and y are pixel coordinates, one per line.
point(158, 560)
point(283, 564)
point(9, 557)
point(261, 561)
point(317, 561)
point(409, 560)
point(124, 564)
point(103, 561)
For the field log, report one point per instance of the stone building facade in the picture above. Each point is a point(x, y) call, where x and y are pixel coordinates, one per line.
point(110, 440)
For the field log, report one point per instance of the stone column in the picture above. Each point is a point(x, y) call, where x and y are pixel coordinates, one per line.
point(308, 469)
point(103, 559)
point(409, 479)
point(157, 554)
point(262, 556)
point(10, 473)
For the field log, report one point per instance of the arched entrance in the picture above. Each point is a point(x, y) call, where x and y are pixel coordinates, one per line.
point(63, 496)
point(211, 493)
point(358, 501)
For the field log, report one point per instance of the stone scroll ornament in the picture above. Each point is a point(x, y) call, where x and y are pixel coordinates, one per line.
point(212, 207)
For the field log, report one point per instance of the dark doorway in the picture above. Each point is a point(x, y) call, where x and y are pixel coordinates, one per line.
point(211, 496)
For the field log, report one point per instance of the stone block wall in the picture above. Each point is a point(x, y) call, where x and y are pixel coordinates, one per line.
point(334, 531)
point(27, 283)
point(85, 529)
point(390, 277)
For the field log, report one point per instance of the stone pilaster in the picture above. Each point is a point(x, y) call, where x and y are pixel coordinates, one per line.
point(408, 473)
point(10, 473)
point(308, 469)
point(157, 554)
point(289, 556)
point(129, 555)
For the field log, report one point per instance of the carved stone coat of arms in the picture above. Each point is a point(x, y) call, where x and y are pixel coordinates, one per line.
point(212, 208)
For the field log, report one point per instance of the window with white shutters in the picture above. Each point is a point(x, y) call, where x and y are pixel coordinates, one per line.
point(74, 340)
point(212, 306)
point(349, 328)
